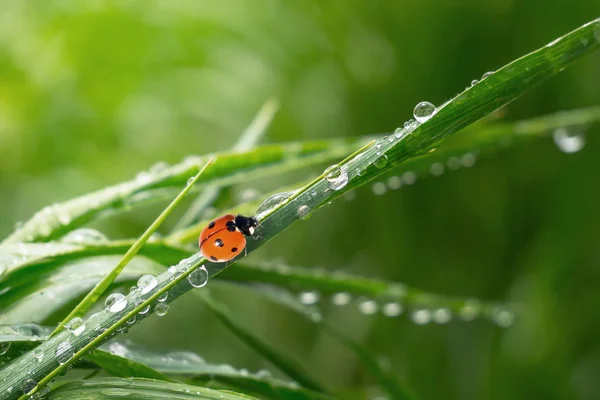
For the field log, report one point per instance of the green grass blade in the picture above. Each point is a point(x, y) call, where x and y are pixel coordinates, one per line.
point(248, 139)
point(93, 296)
point(139, 389)
point(285, 362)
point(125, 367)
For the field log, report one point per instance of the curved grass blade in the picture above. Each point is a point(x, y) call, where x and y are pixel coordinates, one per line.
point(285, 362)
point(503, 86)
point(139, 389)
point(101, 286)
point(248, 139)
point(125, 367)
point(56, 220)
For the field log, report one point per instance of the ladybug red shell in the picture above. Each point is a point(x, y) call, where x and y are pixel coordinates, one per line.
point(225, 237)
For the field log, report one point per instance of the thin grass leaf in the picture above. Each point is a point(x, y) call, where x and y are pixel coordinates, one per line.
point(503, 86)
point(125, 367)
point(139, 389)
point(93, 296)
point(248, 139)
point(285, 362)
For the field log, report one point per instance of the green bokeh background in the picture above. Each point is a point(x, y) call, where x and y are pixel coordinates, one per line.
point(91, 92)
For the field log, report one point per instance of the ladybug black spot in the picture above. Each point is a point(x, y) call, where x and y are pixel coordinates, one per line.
point(230, 226)
point(211, 225)
point(219, 243)
point(234, 249)
point(213, 258)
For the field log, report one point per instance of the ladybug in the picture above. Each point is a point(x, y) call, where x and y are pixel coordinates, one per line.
point(225, 237)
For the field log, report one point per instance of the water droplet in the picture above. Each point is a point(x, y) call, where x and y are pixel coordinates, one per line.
point(503, 318)
point(436, 169)
point(409, 177)
point(394, 182)
point(131, 320)
point(468, 160)
point(163, 297)
point(474, 82)
point(469, 310)
point(401, 133)
point(172, 270)
point(421, 317)
point(441, 316)
point(27, 385)
point(4, 347)
point(38, 353)
point(84, 235)
point(392, 309)
point(336, 176)
point(381, 161)
point(379, 188)
point(190, 180)
point(143, 310)
point(309, 297)
point(146, 283)
point(161, 309)
point(423, 111)
point(367, 306)
point(273, 202)
point(64, 352)
point(487, 74)
point(304, 212)
point(198, 277)
point(76, 326)
point(569, 141)
point(454, 163)
point(341, 299)
point(115, 302)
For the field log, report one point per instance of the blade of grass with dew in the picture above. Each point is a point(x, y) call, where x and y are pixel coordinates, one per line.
point(285, 362)
point(139, 389)
point(101, 286)
point(248, 139)
point(54, 221)
point(503, 86)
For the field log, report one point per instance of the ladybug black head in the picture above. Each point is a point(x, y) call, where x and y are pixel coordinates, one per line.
point(246, 224)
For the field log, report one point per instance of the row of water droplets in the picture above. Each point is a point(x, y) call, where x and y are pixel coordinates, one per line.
point(117, 303)
point(470, 310)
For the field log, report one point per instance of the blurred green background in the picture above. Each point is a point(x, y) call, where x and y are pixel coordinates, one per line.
point(91, 92)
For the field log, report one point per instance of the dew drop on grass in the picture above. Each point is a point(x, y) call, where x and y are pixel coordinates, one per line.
point(470, 310)
point(190, 180)
point(503, 318)
point(381, 161)
point(336, 176)
point(76, 326)
point(163, 297)
point(4, 347)
point(64, 352)
point(394, 182)
point(115, 302)
point(379, 189)
point(304, 212)
point(423, 111)
point(436, 169)
point(273, 202)
point(367, 306)
point(391, 309)
point(421, 317)
point(409, 177)
point(487, 74)
point(84, 235)
point(454, 163)
point(309, 297)
point(341, 299)
point(468, 160)
point(161, 309)
point(27, 385)
point(38, 353)
point(474, 82)
point(569, 141)
point(172, 269)
point(198, 277)
point(143, 310)
point(146, 283)
point(441, 316)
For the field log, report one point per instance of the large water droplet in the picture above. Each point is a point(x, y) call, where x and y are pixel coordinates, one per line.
point(423, 111)
point(379, 188)
point(84, 235)
point(115, 302)
point(503, 318)
point(76, 326)
point(163, 297)
point(161, 309)
point(487, 74)
point(143, 310)
point(198, 277)
point(309, 297)
point(27, 385)
point(64, 352)
point(146, 283)
point(441, 316)
point(336, 176)
point(367, 306)
point(4, 347)
point(381, 161)
point(273, 202)
point(392, 309)
point(341, 299)
point(569, 141)
point(421, 317)
point(304, 212)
